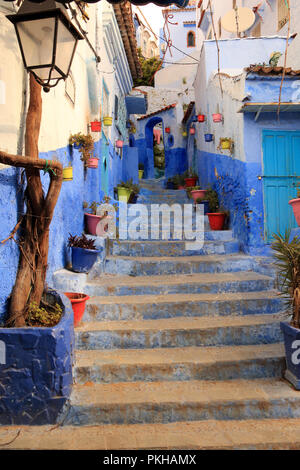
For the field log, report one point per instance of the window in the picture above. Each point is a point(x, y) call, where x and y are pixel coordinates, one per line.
point(191, 39)
point(282, 10)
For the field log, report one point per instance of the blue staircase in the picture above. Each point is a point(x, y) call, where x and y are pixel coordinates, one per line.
point(173, 335)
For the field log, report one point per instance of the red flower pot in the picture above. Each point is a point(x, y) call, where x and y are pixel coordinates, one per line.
point(78, 305)
point(192, 131)
point(216, 220)
point(217, 117)
point(201, 117)
point(91, 222)
point(190, 181)
point(92, 162)
point(295, 203)
point(198, 194)
point(96, 126)
point(168, 130)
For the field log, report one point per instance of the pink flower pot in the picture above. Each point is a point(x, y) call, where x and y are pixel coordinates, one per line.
point(91, 222)
point(217, 117)
point(92, 163)
point(295, 203)
point(198, 194)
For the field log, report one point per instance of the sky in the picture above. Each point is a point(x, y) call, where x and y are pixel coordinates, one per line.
point(153, 15)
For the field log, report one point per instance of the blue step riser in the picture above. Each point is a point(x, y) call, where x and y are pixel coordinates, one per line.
point(261, 334)
point(138, 268)
point(140, 413)
point(115, 312)
point(244, 369)
point(234, 286)
point(175, 249)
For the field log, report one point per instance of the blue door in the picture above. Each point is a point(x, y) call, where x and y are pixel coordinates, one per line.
point(281, 172)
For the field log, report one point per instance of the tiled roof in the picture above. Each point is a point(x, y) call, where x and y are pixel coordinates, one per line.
point(269, 70)
point(166, 108)
point(123, 13)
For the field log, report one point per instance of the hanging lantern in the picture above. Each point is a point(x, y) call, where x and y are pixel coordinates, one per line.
point(47, 40)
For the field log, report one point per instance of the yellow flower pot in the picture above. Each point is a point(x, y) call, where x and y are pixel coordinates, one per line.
point(184, 134)
point(225, 144)
point(107, 120)
point(68, 173)
point(141, 172)
point(123, 194)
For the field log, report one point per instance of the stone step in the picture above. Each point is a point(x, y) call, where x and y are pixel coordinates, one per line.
point(149, 266)
point(252, 434)
point(171, 248)
point(150, 307)
point(180, 364)
point(162, 402)
point(112, 284)
point(179, 332)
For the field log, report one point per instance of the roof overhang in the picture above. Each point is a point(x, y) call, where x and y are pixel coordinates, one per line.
point(259, 108)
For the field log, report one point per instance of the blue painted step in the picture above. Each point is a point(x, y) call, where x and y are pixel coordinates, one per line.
point(113, 308)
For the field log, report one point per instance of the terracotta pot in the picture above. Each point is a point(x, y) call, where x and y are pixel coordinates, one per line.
point(78, 305)
point(198, 194)
point(216, 220)
point(217, 117)
point(189, 182)
point(92, 162)
point(295, 203)
point(201, 117)
point(96, 126)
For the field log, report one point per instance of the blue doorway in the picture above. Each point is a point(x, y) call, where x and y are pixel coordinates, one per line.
point(281, 173)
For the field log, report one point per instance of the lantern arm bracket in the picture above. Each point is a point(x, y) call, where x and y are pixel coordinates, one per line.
point(84, 33)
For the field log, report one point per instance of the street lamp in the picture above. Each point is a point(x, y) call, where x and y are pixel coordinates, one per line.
point(47, 40)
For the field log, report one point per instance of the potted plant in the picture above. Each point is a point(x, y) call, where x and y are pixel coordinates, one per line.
point(201, 117)
point(119, 143)
point(107, 121)
point(171, 183)
point(168, 130)
point(178, 181)
point(124, 191)
point(85, 144)
point(141, 170)
point(96, 126)
point(205, 203)
point(68, 173)
point(92, 219)
point(192, 131)
point(226, 143)
point(92, 162)
point(190, 178)
point(78, 301)
point(295, 203)
point(84, 253)
point(287, 255)
point(135, 189)
point(216, 216)
point(197, 193)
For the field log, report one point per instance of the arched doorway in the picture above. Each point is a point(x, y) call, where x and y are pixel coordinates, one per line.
point(154, 134)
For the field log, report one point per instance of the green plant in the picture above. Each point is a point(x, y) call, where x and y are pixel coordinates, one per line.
point(287, 255)
point(92, 206)
point(213, 201)
point(190, 174)
point(81, 242)
point(85, 143)
point(47, 316)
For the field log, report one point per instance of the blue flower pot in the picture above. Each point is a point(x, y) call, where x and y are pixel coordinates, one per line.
point(208, 137)
point(291, 337)
point(83, 259)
